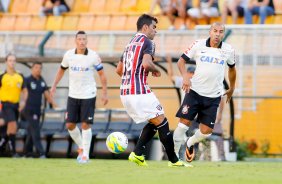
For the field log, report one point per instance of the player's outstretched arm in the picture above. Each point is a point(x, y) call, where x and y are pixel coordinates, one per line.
point(186, 79)
point(58, 77)
point(103, 79)
point(232, 80)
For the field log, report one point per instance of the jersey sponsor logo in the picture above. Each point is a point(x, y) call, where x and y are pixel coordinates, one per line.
point(79, 69)
point(209, 59)
point(185, 109)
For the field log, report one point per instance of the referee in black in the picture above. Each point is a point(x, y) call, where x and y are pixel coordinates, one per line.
point(36, 86)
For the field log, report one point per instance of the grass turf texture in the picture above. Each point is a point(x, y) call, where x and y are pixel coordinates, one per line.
point(68, 171)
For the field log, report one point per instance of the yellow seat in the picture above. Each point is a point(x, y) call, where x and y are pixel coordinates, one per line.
point(37, 23)
point(54, 23)
point(113, 6)
point(7, 22)
point(85, 22)
point(22, 23)
point(117, 22)
point(128, 6)
point(19, 6)
point(97, 6)
point(101, 22)
point(130, 23)
point(33, 7)
point(163, 22)
point(143, 6)
point(81, 6)
point(70, 22)
point(278, 19)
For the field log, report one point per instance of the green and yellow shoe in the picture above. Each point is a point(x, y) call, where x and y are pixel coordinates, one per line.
point(139, 160)
point(179, 164)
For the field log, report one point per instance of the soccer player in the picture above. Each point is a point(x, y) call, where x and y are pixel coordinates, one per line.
point(137, 97)
point(36, 86)
point(81, 63)
point(12, 84)
point(205, 89)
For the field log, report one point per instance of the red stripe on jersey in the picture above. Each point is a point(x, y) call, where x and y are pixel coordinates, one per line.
point(124, 91)
point(135, 61)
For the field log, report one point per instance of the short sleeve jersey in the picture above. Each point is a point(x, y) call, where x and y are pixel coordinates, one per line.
point(134, 77)
point(11, 87)
point(35, 87)
point(82, 84)
point(210, 66)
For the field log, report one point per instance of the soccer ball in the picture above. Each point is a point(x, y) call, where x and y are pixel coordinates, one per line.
point(117, 142)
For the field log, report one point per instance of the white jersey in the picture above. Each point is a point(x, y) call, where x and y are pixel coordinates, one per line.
point(210, 66)
point(81, 67)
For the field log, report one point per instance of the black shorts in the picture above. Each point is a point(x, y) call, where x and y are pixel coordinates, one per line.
point(205, 107)
point(80, 110)
point(10, 111)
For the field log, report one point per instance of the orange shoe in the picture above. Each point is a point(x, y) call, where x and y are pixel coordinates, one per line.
point(190, 153)
point(80, 153)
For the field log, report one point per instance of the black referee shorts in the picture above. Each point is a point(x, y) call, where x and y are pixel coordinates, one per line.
point(205, 107)
point(80, 110)
point(10, 111)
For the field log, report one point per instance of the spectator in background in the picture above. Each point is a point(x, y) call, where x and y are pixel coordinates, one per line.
point(263, 8)
point(204, 9)
point(57, 7)
point(173, 9)
point(12, 84)
point(178, 8)
point(235, 8)
point(36, 86)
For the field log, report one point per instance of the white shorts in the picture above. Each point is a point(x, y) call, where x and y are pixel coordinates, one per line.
point(143, 107)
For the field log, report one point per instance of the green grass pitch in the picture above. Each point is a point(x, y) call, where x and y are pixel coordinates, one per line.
point(68, 171)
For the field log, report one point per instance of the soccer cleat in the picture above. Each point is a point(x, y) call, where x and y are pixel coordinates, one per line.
point(83, 160)
point(190, 153)
point(139, 160)
point(179, 164)
point(80, 152)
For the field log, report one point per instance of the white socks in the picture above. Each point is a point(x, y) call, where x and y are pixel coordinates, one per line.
point(86, 141)
point(197, 137)
point(179, 137)
point(76, 136)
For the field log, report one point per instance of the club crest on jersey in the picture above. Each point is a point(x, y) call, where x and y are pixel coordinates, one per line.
point(209, 59)
point(185, 109)
point(159, 107)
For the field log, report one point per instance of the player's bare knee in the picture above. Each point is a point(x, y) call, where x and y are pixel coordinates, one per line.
point(85, 126)
point(157, 120)
point(70, 126)
point(205, 129)
point(185, 121)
